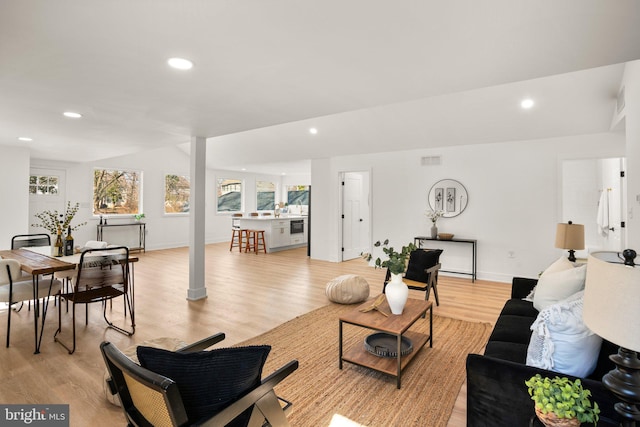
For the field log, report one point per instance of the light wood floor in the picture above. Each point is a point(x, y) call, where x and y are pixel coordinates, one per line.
point(247, 294)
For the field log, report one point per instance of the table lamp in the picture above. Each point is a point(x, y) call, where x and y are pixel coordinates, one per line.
point(611, 308)
point(570, 236)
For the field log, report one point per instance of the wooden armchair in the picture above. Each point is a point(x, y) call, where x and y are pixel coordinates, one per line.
point(422, 272)
point(151, 399)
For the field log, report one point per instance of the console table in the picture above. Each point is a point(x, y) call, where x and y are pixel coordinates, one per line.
point(141, 226)
point(474, 252)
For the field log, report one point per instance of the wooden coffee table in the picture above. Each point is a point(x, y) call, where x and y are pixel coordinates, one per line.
point(396, 325)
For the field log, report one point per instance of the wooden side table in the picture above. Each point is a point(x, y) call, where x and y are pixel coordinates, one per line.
point(396, 325)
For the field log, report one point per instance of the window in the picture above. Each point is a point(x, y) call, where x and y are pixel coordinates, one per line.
point(298, 195)
point(116, 192)
point(229, 195)
point(176, 194)
point(43, 185)
point(265, 195)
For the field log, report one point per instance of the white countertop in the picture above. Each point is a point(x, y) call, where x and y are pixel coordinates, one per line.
point(270, 218)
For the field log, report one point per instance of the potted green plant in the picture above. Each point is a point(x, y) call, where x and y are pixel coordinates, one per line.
point(396, 290)
point(396, 261)
point(562, 402)
point(56, 224)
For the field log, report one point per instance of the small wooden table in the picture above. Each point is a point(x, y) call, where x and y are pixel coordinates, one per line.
point(396, 325)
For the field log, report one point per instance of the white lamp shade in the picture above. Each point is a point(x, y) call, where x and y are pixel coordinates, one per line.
point(612, 302)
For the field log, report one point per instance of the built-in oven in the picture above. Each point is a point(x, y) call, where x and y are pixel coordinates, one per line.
point(297, 226)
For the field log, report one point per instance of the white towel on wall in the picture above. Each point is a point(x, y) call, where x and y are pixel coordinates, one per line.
point(603, 214)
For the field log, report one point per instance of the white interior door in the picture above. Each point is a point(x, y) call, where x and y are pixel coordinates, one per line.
point(47, 193)
point(355, 214)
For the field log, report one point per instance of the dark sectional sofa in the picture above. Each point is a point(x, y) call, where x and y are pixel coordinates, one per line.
point(496, 393)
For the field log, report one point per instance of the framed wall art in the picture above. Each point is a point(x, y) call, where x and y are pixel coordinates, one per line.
point(448, 196)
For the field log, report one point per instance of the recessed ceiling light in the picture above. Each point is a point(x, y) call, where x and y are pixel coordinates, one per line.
point(25, 138)
point(313, 131)
point(72, 115)
point(527, 103)
point(283, 173)
point(180, 63)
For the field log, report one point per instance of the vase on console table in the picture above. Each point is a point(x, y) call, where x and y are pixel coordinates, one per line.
point(434, 231)
point(397, 293)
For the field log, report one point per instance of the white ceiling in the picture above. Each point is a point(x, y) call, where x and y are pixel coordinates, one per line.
point(371, 75)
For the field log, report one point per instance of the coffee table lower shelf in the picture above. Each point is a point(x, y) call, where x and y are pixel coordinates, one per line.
point(387, 365)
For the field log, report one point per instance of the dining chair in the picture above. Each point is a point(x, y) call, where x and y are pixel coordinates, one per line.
point(12, 291)
point(29, 240)
point(24, 240)
point(102, 275)
point(67, 275)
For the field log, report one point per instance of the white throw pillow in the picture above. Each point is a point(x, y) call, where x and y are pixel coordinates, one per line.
point(561, 264)
point(556, 286)
point(561, 342)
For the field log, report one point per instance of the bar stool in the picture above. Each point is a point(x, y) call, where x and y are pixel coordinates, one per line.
point(237, 234)
point(255, 239)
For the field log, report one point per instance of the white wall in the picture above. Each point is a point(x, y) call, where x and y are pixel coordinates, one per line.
point(514, 199)
point(14, 193)
point(163, 231)
point(583, 184)
point(631, 83)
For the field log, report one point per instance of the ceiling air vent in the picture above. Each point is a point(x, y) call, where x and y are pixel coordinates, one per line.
point(430, 160)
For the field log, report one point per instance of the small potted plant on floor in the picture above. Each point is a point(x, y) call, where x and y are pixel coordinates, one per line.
point(562, 402)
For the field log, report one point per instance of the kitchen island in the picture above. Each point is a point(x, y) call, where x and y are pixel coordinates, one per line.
point(285, 232)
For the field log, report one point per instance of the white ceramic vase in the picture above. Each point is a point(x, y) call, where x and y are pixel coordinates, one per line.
point(397, 293)
point(434, 231)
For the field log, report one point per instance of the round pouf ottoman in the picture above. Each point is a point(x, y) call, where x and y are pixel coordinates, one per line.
point(171, 344)
point(347, 289)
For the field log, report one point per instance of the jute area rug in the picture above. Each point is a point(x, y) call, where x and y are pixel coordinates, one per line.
point(322, 394)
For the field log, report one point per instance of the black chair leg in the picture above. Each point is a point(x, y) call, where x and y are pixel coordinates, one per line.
point(8, 323)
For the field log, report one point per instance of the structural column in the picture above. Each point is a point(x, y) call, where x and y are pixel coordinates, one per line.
point(197, 200)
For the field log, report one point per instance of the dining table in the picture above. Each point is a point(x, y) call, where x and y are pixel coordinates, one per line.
point(38, 265)
point(38, 261)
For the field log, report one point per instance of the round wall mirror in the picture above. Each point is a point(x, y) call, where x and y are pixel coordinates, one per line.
point(448, 196)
